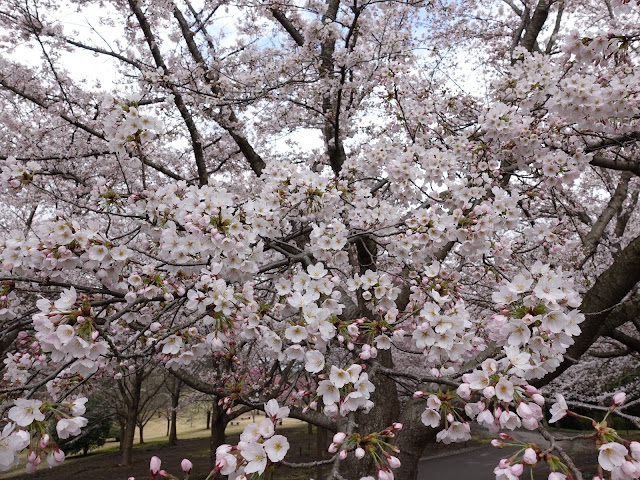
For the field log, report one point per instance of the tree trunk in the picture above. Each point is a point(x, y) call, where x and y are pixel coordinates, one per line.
point(383, 414)
point(175, 399)
point(127, 437)
point(141, 428)
point(219, 421)
point(412, 440)
point(208, 419)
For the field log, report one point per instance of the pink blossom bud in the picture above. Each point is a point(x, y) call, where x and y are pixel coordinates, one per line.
point(333, 448)
point(162, 473)
point(464, 391)
point(339, 437)
point(343, 454)
point(186, 465)
point(58, 455)
point(618, 399)
point(517, 469)
point(393, 462)
point(242, 445)
point(634, 448)
point(505, 436)
point(79, 319)
point(503, 463)
point(359, 453)
point(396, 426)
point(530, 389)
point(557, 476)
point(418, 394)
point(154, 465)
point(489, 392)
point(450, 417)
point(385, 475)
point(539, 399)
point(94, 334)
point(497, 443)
point(530, 457)
point(44, 441)
point(131, 478)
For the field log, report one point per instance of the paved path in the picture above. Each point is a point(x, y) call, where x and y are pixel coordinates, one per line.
point(476, 463)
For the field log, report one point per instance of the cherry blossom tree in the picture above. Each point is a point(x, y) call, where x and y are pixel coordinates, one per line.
point(409, 245)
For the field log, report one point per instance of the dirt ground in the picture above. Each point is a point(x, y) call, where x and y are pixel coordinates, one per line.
point(104, 466)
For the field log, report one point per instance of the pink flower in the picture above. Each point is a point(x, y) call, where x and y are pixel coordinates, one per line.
point(558, 409)
point(186, 465)
point(612, 455)
point(359, 453)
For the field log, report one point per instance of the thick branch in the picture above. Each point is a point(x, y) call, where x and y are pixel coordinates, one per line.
point(630, 342)
point(535, 25)
point(613, 208)
point(196, 139)
point(288, 26)
point(255, 161)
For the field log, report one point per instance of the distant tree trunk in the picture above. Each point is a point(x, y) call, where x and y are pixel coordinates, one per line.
point(175, 399)
point(219, 422)
point(168, 426)
point(208, 419)
point(132, 398)
point(141, 428)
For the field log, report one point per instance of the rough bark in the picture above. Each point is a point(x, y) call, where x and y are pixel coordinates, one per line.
point(613, 208)
point(534, 26)
point(412, 440)
point(383, 414)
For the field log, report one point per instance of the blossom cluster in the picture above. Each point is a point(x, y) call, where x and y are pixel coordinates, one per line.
point(375, 445)
point(14, 174)
point(29, 416)
point(259, 446)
